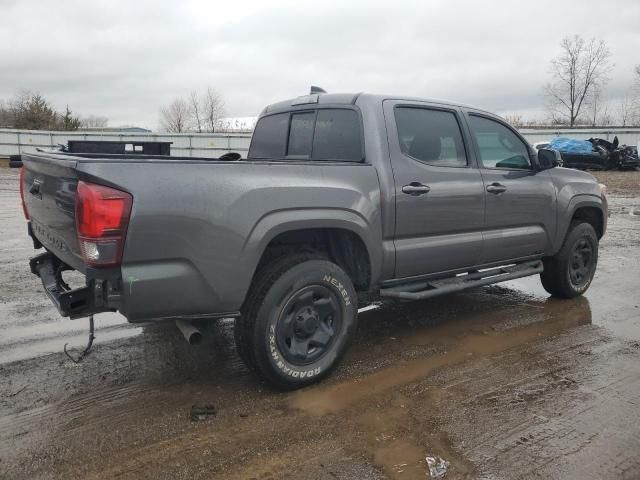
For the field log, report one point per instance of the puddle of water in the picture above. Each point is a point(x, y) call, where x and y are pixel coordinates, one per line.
point(463, 340)
point(401, 459)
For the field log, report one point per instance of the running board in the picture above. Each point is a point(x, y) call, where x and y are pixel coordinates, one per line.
point(419, 290)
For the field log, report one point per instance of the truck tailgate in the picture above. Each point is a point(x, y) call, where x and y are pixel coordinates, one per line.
point(49, 186)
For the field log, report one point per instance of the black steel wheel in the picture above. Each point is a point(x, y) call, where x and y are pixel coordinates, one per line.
point(581, 265)
point(308, 324)
point(298, 320)
point(569, 273)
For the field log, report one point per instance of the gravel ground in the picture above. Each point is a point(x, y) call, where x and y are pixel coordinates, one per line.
point(620, 183)
point(501, 381)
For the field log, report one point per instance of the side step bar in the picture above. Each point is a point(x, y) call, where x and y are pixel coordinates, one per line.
point(420, 290)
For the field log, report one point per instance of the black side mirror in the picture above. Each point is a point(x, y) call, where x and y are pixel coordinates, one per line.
point(616, 142)
point(548, 158)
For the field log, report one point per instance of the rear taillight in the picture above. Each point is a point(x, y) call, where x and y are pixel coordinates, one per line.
point(24, 205)
point(102, 217)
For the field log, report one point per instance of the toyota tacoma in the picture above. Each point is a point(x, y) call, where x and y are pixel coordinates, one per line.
point(341, 197)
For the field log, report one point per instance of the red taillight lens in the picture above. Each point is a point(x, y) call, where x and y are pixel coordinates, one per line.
point(24, 205)
point(102, 217)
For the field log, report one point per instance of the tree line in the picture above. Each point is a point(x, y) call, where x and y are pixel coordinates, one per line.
point(31, 111)
point(575, 96)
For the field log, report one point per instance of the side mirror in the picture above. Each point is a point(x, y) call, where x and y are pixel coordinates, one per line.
point(548, 158)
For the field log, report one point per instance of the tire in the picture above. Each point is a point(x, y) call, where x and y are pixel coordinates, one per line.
point(297, 321)
point(569, 273)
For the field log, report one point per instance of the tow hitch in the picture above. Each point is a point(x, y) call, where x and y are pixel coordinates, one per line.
point(73, 303)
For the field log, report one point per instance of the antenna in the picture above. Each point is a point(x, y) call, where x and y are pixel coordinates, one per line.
point(316, 90)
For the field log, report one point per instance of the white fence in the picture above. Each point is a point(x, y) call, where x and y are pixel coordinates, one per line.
point(14, 142)
point(628, 136)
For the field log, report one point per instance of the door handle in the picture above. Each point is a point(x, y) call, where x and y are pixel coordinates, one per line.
point(415, 189)
point(496, 188)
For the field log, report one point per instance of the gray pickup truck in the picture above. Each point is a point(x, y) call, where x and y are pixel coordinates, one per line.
point(341, 197)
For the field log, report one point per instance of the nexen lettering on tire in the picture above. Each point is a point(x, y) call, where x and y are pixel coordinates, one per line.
point(341, 289)
point(279, 362)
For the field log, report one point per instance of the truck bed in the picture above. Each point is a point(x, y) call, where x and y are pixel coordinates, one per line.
point(198, 226)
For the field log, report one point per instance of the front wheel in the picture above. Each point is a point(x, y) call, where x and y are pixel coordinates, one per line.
point(569, 273)
point(298, 320)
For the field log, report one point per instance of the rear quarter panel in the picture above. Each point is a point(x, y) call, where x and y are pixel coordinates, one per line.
point(198, 229)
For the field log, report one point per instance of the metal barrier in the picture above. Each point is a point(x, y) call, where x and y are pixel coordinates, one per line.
point(626, 135)
point(14, 142)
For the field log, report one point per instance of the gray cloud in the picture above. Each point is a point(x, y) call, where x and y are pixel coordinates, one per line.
point(126, 59)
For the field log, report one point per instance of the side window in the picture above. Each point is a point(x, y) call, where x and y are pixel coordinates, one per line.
point(270, 137)
point(301, 134)
point(432, 136)
point(337, 135)
point(499, 147)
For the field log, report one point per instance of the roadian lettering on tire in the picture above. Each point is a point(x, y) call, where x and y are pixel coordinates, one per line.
point(300, 318)
point(280, 362)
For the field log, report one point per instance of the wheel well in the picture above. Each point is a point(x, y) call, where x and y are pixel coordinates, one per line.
point(591, 215)
point(343, 247)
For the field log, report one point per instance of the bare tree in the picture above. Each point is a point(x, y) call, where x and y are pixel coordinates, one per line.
point(6, 117)
point(634, 100)
point(200, 113)
point(577, 72)
point(195, 111)
point(175, 117)
point(213, 109)
point(515, 120)
point(94, 121)
point(626, 110)
point(599, 109)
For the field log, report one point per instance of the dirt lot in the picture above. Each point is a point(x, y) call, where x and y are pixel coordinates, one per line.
point(620, 183)
point(501, 381)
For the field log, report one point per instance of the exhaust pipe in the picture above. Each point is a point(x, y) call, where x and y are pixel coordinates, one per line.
point(191, 334)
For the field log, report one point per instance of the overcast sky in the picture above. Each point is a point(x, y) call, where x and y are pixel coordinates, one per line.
point(125, 59)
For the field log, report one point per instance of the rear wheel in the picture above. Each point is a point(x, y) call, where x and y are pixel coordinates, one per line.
point(298, 320)
point(569, 273)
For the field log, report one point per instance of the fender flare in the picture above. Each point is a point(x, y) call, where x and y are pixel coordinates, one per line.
point(275, 223)
point(576, 202)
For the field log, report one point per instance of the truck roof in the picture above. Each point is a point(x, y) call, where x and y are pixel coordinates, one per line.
point(351, 98)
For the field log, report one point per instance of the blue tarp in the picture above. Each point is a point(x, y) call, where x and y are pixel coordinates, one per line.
point(569, 145)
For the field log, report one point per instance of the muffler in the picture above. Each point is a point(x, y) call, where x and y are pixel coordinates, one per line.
point(190, 333)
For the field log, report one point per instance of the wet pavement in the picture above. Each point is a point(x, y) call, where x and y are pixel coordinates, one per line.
point(501, 381)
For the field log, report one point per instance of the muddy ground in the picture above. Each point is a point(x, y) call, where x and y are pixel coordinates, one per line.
point(501, 381)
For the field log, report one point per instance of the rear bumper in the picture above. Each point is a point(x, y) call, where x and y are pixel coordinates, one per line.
point(106, 295)
point(98, 296)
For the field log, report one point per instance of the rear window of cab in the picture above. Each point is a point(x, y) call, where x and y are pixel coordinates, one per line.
point(330, 134)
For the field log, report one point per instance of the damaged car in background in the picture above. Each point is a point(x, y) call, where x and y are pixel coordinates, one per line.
point(594, 153)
